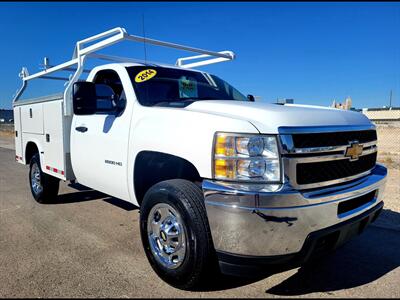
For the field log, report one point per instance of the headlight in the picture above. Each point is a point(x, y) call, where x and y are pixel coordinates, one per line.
point(246, 157)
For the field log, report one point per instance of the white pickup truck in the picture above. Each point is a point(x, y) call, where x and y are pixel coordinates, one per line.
point(223, 182)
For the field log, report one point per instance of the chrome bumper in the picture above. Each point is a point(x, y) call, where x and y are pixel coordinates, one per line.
point(274, 220)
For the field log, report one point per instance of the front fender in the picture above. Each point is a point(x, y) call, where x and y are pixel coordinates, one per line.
point(182, 133)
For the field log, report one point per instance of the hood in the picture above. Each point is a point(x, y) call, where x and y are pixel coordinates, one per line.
point(267, 118)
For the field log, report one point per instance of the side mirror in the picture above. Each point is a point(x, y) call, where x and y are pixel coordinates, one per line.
point(251, 98)
point(84, 98)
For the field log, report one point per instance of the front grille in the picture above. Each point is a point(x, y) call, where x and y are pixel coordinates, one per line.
point(318, 158)
point(320, 171)
point(308, 140)
point(349, 205)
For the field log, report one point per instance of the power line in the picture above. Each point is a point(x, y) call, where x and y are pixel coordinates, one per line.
point(144, 40)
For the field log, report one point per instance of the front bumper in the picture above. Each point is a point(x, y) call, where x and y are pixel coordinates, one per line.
point(276, 220)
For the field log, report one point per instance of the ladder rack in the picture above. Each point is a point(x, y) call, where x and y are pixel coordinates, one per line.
point(106, 39)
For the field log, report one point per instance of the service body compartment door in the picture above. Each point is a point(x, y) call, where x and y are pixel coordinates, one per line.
point(18, 134)
point(54, 157)
point(32, 118)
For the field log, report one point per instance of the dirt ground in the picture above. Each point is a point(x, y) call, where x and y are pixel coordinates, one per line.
point(7, 133)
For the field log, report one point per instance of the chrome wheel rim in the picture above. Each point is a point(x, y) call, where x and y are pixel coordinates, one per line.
point(167, 235)
point(35, 179)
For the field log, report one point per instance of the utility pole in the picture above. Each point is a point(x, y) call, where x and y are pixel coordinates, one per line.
point(390, 99)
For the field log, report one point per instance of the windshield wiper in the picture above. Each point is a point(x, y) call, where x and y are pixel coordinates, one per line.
point(172, 103)
point(181, 100)
point(196, 98)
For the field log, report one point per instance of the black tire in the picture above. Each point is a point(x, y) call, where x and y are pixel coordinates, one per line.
point(48, 184)
point(200, 259)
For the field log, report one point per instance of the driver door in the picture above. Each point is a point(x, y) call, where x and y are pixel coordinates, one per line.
point(99, 142)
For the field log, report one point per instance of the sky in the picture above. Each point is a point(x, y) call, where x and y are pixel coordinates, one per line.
point(310, 52)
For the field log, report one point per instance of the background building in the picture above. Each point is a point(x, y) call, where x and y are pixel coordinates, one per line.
point(346, 105)
point(382, 113)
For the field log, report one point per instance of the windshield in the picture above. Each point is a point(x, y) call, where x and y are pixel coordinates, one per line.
point(166, 86)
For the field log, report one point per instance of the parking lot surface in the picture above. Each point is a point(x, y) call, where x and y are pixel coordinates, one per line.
point(88, 245)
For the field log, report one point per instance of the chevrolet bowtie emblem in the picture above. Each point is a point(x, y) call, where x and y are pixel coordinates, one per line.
point(354, 150)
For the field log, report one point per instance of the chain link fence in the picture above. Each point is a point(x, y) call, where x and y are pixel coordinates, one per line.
point(388, 143)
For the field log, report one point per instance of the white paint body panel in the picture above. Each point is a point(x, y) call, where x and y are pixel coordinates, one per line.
point(47, 118)
point(179, 132)
point(54, 154)
point(17, 129)
point(107, 138)
point(38, 140)
point(32, 118)
point(269, 117)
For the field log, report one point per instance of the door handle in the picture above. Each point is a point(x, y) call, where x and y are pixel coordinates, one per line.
point(81, 129)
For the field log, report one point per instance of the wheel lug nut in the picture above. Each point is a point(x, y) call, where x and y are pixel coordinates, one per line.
point(163, 235)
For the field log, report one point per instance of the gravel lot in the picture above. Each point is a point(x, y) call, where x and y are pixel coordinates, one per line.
point(88, 245)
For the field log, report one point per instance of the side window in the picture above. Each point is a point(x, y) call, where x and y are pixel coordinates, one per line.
point(105, 97)
point(110, 92)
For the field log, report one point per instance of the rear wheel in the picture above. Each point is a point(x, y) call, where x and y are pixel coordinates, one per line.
point(44, 187)
point(176, 235)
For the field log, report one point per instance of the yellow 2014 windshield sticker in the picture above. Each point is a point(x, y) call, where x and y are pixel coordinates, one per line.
point(145, 75)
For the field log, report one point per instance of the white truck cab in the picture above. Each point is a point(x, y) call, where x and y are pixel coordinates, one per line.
point(223, 183)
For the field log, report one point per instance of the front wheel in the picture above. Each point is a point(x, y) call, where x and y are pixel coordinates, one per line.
point(44, 187)
point(176, 235)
